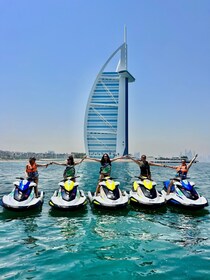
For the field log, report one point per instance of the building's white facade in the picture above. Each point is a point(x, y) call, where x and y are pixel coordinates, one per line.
point(106, 118)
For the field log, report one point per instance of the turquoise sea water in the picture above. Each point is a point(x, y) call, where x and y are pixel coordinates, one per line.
point(92, 244)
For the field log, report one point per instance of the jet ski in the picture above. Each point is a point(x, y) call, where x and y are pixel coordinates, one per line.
point(184, 194)
point(109, 196)
point(22, 196)
point(144, 193)
point(68, 197)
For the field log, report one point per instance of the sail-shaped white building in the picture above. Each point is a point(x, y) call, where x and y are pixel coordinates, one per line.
point(106, 117)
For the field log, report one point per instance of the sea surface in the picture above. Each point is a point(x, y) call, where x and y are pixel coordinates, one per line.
point(92, 244)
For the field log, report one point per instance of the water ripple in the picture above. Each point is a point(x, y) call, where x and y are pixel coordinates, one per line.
point(97, 244)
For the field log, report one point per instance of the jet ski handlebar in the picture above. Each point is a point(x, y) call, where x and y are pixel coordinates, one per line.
point(108, 178)
point(28, 179)
point(141, 177)
point(69, 178)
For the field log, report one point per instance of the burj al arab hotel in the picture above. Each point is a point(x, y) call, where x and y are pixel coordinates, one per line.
point(106, 117)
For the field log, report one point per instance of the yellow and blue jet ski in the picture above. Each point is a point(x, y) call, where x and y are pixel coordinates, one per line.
point(68, 197)
point(144, 193)
point(110, 196)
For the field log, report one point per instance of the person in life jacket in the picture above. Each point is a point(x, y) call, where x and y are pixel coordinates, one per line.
point(105, 168)
point(144, 166)
point(69, 171)
point(181, 170)
point(32, 173)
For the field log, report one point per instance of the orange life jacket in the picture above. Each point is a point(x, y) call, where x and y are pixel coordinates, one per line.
point(31, 168)
point(182, 169)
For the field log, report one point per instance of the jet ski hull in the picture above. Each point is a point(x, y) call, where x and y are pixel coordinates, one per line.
point(183, 202)
point(9, 203)
point(144, 194)
point(99, 202)
point(143, 201)
point(57, 202)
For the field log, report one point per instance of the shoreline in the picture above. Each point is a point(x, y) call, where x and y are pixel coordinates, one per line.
point(88, 160)
point(59, 160)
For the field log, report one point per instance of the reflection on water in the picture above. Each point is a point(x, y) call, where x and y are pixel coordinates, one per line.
point(185, 229)
point(69, 214)
point(111, 213)
point(7, 215)
point(30, 240)
point(190, 213)
point(30, 225)
point(159, 210)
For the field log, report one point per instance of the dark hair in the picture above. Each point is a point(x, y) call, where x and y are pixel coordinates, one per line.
point(32, 158)
point(103, 160)
point(71, 159)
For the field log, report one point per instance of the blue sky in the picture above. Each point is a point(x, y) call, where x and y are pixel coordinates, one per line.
point(51, 52)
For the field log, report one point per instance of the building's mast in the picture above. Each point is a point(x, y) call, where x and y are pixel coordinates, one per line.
point(125, 34)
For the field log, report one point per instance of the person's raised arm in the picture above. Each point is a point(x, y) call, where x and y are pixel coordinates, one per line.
point(117, 158)
point(168, 166)
point(156, 164)
point(58, 163)
point(94, 159)
point(135, 160)
point(80, 160)
point(42, 165)
point(189, 165)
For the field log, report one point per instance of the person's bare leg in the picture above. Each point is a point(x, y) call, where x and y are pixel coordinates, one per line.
point(36, 188)
point(169, 187)
point(97, 189)
point(98, 186)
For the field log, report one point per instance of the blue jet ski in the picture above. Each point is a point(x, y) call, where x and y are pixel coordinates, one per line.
point(22, 196)
point(184, 194)
point(68, 197)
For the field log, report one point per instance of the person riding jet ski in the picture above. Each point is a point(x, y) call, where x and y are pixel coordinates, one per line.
point(70, 164)
point(179, 191)
point(32, 173)
point(144, 165)
point(105, 168)
point(182, 171)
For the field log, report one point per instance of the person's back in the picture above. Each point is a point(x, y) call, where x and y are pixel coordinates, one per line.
point(32, 172)
point(69, 171)
point(144, 168)
point(182, 171)
point(144, 165)
point(70, 164)
point(31, 169)
point(105, 168)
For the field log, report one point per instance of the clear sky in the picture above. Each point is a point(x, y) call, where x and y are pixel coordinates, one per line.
point(51, 52)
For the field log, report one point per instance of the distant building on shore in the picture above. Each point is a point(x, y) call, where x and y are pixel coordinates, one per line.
point(106, 117)
point(11, 155)
point(170, 159)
